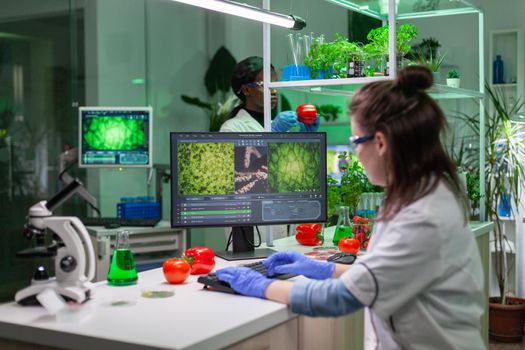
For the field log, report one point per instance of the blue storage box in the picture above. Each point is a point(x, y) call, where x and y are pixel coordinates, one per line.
point(138, 207)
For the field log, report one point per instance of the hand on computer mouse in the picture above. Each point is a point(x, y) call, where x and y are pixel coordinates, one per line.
point(342, 258)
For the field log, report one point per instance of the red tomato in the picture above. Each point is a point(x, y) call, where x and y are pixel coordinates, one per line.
point(349, 245)
point(176, 270)
point(306, 113)
point(203, 259)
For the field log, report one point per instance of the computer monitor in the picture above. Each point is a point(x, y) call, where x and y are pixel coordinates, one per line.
point(115, 137)
point(335, 159)
point(242, 180)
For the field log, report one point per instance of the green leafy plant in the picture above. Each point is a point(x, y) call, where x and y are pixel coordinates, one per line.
point(348, 191)
point(332, 58)
point(504, 171)
point(329, 112)
point(378, 40)
point(433, 61)
point(426, 48)
point(217, 81)
point(453, 74)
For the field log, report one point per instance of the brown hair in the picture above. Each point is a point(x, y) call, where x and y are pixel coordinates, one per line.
point(412, 122)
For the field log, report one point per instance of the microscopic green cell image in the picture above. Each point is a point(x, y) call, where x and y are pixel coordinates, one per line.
point(114, 133)
point(293, 167)
point(205, 168)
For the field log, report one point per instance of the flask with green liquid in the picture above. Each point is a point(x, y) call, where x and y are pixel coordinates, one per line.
point(344, 226)
point(122, 271)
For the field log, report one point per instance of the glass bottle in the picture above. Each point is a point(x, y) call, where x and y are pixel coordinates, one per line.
point(122, 271)
point(344, 225)
point(497, 70)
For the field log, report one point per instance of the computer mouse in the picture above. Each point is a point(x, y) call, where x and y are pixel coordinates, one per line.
point(342, 258)
point(112, 225)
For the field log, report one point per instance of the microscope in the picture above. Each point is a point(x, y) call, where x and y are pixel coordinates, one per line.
point(74, 254)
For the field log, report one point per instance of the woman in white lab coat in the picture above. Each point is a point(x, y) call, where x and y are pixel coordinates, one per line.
point(247, 85)
point(421, 280)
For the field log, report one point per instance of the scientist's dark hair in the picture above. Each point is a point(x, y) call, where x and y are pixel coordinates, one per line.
point(412, 123)
point(245, 73)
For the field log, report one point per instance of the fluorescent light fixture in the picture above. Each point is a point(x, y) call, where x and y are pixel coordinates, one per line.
point(249, 12)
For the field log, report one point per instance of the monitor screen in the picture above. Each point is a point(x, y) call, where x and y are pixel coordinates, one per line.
point(115, 137)
point(247, 179)
point(335, 159)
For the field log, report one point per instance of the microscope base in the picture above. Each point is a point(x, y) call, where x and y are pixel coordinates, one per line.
point(78, 294)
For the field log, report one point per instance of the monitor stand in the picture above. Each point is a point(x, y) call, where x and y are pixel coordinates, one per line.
point(242, 242)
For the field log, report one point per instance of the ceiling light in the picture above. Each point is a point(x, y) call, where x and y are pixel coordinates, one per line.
point(249, 12)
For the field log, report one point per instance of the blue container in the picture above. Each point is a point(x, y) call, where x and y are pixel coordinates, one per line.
point(504, 207)
point(142, 207)
point(497, 70)
point(292, 72)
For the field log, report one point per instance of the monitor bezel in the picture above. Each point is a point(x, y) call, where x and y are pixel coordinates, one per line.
point(286, 222)
point(148, 109)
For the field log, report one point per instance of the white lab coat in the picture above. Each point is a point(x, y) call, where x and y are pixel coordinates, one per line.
point(244, 122)
point(421, 279)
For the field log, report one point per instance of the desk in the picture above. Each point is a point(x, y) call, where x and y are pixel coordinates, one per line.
point(148, 244)
point(192, 319)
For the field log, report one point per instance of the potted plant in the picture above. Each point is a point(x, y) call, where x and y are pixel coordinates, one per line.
point(433, 61)
point(505, 175)
point(331, 59)
point(217, 82)
point(348, 191)
point(453, 78)
point(378, 42)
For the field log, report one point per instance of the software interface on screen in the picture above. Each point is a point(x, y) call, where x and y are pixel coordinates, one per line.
point(115, 136)
point(242, 179)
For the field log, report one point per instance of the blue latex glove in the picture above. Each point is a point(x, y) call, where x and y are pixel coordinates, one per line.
point(284, 121)
point(244, 280)
point(296, 263)
point(310, 127)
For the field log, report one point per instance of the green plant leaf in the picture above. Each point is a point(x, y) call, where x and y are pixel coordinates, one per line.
point(219, 73)
point(195, 101)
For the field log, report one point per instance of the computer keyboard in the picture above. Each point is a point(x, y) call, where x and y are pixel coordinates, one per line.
point(211, 281)
point(116, 222)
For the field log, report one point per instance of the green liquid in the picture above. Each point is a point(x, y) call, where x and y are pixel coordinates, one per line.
point(341, 232)
point(122, 270)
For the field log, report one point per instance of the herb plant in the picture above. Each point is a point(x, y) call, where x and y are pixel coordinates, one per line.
point(378, 40)
point(332, 58)
point(453, 74)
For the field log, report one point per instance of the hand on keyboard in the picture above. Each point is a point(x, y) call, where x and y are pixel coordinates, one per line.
point(244, 280)
point(297, 263)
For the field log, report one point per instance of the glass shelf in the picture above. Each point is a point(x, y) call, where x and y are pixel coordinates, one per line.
point(347, 87)
point(409, 8)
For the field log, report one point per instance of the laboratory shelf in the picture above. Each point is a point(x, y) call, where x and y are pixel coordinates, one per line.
point(347, 87)
point(407, 9)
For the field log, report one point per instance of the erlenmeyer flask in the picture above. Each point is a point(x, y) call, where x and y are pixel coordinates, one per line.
point(122, 271)
point(344, 225)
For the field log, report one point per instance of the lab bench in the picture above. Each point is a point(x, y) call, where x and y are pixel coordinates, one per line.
point(120, 318)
